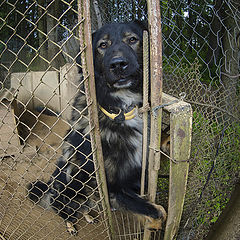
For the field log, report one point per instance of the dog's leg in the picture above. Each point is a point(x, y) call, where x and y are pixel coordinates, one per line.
point(156, 224)
point(88, 218)
point(130, 201)
point(85, 210)
point(70, 228)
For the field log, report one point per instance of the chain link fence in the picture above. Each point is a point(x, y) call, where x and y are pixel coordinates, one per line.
point(39, 45)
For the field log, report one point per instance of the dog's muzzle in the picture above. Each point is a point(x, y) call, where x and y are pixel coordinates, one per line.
point(118, 65)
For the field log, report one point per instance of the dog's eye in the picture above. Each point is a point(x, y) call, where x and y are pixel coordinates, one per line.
point(103, 45)
point(132, 40)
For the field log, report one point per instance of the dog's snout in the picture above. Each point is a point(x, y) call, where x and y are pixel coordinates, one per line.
point(118, 63)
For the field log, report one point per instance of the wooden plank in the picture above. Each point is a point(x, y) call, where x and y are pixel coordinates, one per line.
point(18, 152)
point(22, 83)
point(45, 89)
point(90, 91)
point(69, 80)
point(37, 89)
point(180, 133)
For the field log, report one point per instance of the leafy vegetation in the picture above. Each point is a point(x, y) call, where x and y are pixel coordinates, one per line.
point(215, 166)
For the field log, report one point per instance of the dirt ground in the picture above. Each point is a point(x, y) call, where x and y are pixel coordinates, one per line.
point(19, 217)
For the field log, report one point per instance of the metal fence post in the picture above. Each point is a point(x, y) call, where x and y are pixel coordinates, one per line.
point(88, 74)
point(156, 93)
point(155, 32)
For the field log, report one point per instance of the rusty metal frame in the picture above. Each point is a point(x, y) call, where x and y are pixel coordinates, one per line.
point(180, 123)
point(156, 76)
point(180, 131)
point(89, 84)
point(155, 34)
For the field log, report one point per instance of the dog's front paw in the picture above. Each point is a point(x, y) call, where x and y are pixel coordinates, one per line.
point(89, 218)
point(156, 224)
point(71, 229)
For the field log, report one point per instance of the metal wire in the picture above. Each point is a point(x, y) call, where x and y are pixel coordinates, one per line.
point(39, 45)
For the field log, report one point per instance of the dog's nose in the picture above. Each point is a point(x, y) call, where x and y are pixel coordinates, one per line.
point(118, 63)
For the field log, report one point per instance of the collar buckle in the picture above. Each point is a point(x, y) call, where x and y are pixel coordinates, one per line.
point(120, 117)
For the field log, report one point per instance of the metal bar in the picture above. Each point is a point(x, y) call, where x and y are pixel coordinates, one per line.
point(154, 20)
point(89, 83)
point(155, 32)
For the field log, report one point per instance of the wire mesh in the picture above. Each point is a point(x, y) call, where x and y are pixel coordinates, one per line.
point(38, 90)
point(39, 80)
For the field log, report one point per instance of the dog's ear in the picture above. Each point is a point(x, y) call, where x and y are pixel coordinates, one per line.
point(94, 42)
point(142, 24)
point(93, 35)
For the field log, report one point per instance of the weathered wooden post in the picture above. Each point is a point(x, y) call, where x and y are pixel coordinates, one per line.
point(155, 33)
point(89, 84)
point(180, 131)
point(180, 146)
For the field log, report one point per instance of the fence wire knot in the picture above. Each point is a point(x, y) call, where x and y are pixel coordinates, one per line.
point(155, 109)
point(182, 96)
point(166, 155)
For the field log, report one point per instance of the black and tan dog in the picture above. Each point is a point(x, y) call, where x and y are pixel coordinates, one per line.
point(117, 51)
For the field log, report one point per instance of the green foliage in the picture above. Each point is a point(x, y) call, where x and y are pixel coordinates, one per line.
point(214, 143)
point(187, 34)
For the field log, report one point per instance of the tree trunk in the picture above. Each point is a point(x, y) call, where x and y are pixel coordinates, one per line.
point(230, 67)
point(228, 225)
point(214, 35)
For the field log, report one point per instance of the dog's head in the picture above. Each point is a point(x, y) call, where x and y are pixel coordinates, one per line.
point(117, 51)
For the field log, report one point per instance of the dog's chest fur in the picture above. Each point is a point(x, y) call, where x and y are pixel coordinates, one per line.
point(122, 142)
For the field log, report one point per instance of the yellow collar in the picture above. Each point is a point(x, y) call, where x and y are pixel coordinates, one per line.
point(120, 117)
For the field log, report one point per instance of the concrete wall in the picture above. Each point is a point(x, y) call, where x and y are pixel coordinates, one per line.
point(51, 89)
